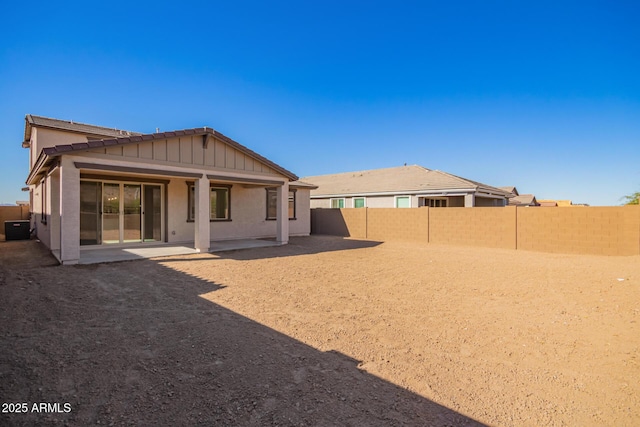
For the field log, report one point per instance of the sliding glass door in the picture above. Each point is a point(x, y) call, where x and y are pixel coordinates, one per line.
point(90, 213)
point(112, 213)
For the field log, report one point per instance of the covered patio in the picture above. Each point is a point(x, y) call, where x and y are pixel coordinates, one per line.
point(97, 255)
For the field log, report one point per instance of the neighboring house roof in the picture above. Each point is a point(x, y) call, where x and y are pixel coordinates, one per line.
point(549, 202)
point(396, 180)
point(71, 126)
point(523, 200)
point(47, 154)
point(510, 189)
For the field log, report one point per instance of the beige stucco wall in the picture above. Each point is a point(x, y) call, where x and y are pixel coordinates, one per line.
point(41, 138)
point(41, 215)
point(248, 215)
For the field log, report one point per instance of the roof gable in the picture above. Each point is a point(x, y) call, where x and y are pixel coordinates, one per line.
point(205, 135)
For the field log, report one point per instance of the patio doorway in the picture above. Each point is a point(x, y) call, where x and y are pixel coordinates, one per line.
point(120, 212)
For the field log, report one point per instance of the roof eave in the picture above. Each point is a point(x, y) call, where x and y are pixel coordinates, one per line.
point(38, 168)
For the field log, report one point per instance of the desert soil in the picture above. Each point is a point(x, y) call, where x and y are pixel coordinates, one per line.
point(324, 331)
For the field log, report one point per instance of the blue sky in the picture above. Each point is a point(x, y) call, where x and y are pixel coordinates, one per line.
point(541, 95)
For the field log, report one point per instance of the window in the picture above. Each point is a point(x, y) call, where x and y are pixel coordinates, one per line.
point(403, 202)
point(43, 201)
point(219, 202)
point(337, 203)
point(272, 203)
point(358, 202)
point(436, 203)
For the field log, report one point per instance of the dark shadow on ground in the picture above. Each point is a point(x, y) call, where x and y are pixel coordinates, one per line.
point(135, 344)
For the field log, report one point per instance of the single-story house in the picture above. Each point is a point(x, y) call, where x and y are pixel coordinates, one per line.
point(92, 186)
point(401, 187)
point(520, 199)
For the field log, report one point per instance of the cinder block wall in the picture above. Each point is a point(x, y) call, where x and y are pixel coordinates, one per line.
point(488, 227)
point(356, 222)
point(575, 230)
point(398, 224)
point(340, 222)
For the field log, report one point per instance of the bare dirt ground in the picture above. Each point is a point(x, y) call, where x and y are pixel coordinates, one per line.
point(322, 332)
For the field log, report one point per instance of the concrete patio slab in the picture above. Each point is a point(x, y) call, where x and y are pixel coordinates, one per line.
point(114, 254)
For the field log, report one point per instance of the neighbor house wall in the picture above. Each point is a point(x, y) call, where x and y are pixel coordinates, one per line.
point(371, 202)
point(577, 230)
point(483, 202)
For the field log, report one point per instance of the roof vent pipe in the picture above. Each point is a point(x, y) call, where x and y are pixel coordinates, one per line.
point(157, 130)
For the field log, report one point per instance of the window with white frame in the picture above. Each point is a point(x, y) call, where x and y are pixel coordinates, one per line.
point(359, 202)
point(272, 203)
point(403, 201)
point(219, 202)
point(337, 203)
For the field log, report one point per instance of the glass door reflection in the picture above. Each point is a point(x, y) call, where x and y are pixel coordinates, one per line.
point(132, 213)
point(111, 213)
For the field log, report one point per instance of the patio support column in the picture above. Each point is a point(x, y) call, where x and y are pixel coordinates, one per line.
point(469, 200)
point(54, 219)
point(202, 229)
point(282, 214)
point(69, 202)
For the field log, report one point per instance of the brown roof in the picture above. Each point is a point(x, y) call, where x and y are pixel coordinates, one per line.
point(135, 138)
point(510, 189)
point(402, 179)
point(523, 200)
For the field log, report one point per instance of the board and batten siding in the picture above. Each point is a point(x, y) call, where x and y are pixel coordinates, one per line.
point(189, 150)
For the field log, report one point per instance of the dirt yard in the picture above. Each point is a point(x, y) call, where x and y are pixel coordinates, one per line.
point(322, 332)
